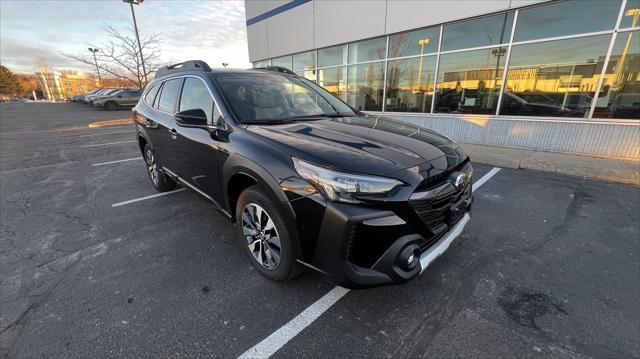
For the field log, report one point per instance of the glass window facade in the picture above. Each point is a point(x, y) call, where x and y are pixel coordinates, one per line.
point(304, 61)
point(284, 61)
point(545, 77)
point(631, 15)
point(304, 64)
point(484, 31)
point(334, 80)
point(410, 84)
point(263, 63)
point(620, 91)
point(332, 56)
point(469, 82)
point(368, 50)
point(365, 86)
point(555, 78)
point(566, 18)
point(419, 42)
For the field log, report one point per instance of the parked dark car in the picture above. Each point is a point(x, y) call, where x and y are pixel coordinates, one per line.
point(126, 98)
point(80, 97)
point(104, 92)
point(306, 179)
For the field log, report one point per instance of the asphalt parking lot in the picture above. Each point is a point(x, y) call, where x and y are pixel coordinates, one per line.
point(549, 266)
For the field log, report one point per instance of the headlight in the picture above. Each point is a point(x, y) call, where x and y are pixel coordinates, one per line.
point(341, 187)
point(468, 170)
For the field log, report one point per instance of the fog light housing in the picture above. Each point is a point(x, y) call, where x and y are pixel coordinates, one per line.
point(408, 258)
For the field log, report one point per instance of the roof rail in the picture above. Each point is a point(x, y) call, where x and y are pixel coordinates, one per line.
point(277, 69)
point(192, 65)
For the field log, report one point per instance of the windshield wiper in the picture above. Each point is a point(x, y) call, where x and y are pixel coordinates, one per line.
point(320, 115)
point(268, 122)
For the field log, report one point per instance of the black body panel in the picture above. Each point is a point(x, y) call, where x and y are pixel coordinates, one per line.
point(334, 237)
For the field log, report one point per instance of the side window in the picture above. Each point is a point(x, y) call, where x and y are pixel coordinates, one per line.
point(151, 94)
point(195, 95)
point(169, 95)
point(157, 99)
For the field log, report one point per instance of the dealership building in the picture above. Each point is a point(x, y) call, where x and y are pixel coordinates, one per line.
point(559, 76)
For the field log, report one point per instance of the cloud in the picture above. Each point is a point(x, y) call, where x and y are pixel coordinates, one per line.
point(24, 59)
point(213, 31)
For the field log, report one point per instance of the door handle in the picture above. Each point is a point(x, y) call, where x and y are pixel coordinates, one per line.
point(173, 133)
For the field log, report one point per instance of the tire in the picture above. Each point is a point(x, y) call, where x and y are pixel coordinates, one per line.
point(159, 179)
point(278, 262)
point(110, 106)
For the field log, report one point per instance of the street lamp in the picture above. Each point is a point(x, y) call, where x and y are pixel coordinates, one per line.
point(422, 42)
point(225, 64)
point(95, 60)
point(135, 26)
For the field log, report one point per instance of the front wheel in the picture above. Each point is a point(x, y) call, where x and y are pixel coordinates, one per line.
point(267, 234)
point(159, 179)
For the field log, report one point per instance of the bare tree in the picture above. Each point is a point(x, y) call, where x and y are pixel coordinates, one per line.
point(120, 56)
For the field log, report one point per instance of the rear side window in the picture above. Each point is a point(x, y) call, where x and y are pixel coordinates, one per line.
point(195, 95)
point(169, 96)
point(151, 94)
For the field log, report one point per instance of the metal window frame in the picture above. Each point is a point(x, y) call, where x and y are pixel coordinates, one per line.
point(507, 59)
point(435, 77)
point(384, 80)
point(605, 64)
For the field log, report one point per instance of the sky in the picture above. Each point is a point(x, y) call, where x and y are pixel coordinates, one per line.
point(32, 31)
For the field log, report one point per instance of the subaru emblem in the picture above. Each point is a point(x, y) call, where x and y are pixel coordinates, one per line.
point(461, 181)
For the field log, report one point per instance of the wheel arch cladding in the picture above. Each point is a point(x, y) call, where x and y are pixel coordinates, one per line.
point(240, 173)
point(142, 142)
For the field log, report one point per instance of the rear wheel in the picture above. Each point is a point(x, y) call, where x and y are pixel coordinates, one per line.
point(110, 106)
point(267, 235)
point(159, 179)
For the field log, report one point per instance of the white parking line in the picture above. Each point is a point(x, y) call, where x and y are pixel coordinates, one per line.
point(282, 336)
point(147, 197)
point(118, 161)
point(485, 178)
point(104, 133)
point(107, 144)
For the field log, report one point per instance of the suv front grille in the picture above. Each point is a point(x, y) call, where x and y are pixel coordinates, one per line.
point(436, 212)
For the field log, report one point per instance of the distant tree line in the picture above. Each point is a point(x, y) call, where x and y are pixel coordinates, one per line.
point(9, 83)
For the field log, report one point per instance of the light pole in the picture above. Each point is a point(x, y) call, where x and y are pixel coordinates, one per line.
point(422, 42)
point(94, 50)
point(135, 26)
point(634, 22)
point(225, 64)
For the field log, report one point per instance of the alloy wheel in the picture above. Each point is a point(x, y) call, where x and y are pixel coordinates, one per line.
point(152, 167)
point(261, 235)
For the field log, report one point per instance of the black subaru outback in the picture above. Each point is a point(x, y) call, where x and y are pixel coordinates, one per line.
point(306, 179)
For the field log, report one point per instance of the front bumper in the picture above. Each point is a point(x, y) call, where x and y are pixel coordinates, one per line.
point(366, 246)
point(441, 246)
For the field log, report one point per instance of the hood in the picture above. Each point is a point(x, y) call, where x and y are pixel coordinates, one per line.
point(368, 144)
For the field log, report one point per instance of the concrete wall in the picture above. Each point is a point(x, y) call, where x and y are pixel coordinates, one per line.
point(322, 23)
point(596, 138)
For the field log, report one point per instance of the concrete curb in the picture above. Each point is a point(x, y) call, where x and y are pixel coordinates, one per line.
point(607, 169)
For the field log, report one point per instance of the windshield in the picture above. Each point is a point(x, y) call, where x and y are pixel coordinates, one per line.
point(278, 98)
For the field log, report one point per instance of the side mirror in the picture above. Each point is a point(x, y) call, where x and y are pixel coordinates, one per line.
point(195, 117)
